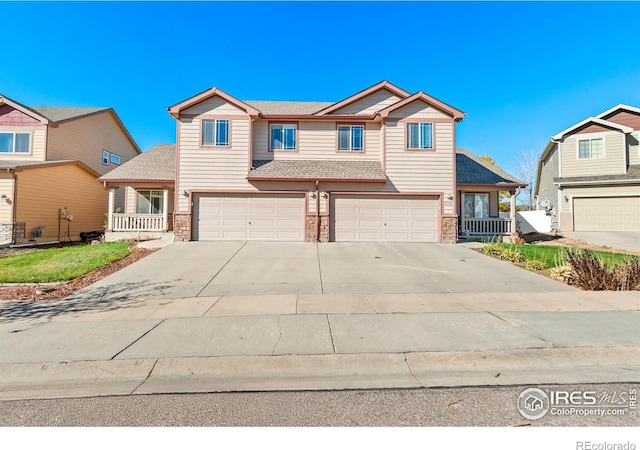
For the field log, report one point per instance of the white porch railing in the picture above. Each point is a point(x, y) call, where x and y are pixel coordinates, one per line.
point(481, 227)
point(138, 222)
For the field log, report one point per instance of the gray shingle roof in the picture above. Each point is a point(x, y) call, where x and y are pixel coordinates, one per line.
point(60, 114)
point(471, 169)
point(318, 170)
point(273, 107)
point(633, 173)
point(157, 163)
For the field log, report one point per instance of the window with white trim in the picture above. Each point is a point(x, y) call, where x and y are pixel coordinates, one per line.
point(15, 142)
point(150, 202)
point(476, 206)
point(215, 132)
point(420, 135)
point(115, 158)
point(283, 136)
point(351, 138)
point(591, 148)
point(105, 157)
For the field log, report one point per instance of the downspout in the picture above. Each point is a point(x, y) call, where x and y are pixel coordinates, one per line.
point(317, 210)
point(13, 207)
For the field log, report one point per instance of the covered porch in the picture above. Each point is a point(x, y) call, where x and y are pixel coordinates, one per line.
point(479, 213)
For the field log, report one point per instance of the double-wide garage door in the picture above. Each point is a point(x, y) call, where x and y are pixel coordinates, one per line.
point(385, 218)
point(606, 214)
point(263, 217)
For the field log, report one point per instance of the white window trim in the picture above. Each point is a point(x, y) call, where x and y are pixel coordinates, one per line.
point(105, 157)
point(215, 133)
point(14, 142)
point(589, 137)
point(111, 158)
point(159, 194)
point(420, 136)
point(282, 125)
point(350, 148)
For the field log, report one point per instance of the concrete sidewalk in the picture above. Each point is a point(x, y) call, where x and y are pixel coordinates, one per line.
point(316, 341)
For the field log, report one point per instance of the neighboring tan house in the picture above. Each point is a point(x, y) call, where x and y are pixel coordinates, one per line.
point(589, 174)
point(50, 158)
point(379, 165)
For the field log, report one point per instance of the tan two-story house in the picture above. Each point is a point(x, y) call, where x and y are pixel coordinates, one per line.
point(50, 158)
point(380, 165)
point(589, 174)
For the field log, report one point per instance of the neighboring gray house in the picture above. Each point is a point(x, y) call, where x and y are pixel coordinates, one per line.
point(589, 174)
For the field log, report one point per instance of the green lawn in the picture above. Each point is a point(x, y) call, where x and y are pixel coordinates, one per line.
point(552, 255)
point(59, 264)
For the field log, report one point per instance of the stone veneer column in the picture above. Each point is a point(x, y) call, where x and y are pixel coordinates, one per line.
point(324, 228)
point(310, 228)
point(449, 229)
point(181, 227)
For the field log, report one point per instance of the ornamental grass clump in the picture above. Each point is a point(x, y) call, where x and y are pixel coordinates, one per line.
point(589, 272)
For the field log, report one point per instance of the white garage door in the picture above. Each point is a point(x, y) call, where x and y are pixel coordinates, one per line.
point(385, 218)
point(606, 214)
point(265, 217)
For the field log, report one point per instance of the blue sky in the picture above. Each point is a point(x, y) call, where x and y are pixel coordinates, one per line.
point(521, 71)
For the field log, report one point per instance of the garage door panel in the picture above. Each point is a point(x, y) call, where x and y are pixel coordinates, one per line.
point(606, 213)
point(270, 217)
point(384, 218)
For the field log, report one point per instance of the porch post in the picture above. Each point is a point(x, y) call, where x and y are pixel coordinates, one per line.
point(165, 209)
point(461, 203)
point(512, 213)
point(112, 204)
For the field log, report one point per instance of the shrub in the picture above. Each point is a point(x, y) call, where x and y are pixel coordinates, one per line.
point(561, 273)
point(492, 249)
point(511, 255)
point(534, 264)
point(589, 272)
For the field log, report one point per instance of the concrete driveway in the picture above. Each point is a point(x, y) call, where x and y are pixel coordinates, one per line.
point(208, 269)
point(622, 240)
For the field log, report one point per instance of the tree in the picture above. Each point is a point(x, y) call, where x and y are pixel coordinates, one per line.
point(527, 167)
point(489, 159)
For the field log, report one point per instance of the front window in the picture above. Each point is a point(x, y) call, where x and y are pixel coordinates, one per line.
point(351, 138)
point(215, 132)
point(590, 148)
point(14, 142)
point(283, 137)
point(420, 135)
point(476, 206)
point(115, 158)
point(105, 157)
point(149, 202)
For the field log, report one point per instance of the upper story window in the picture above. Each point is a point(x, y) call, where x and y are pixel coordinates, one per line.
point(420, 135)
point(105, 157)
point(115, 158)
point(215, 132)
point(283, 136)
point(15, 142)
point(591, 148)
point(351, 138)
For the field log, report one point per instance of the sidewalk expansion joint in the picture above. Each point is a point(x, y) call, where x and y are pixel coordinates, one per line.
point(524, 330)
point(214, 304)
point(141, 336)
point(370, 304)
point(221, 268)
point(147, 377)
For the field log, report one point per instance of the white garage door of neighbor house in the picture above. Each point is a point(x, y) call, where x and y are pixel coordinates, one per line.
point(264, 217)
point(385, 218)
point(606, 214)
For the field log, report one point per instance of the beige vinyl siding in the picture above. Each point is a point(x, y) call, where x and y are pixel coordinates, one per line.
point(370, 104)
point(212, 167)
point(612, 163)
point(214, 105)
point(597, 191)
point(84, 140)
point(6, 207)
point(129, 200)
point(548, 190)
point(418, 110)
point(317, 140)
point(423, 170)
point(43, 191)
point(633, 147)
point(38, 139)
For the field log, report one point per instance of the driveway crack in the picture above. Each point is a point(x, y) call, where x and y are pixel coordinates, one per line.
point(524, 330)
point(147, 377)
point(319, 269)
point(221, 268)
point(333, 344)
point(406, 361)
point(141, 336)
point(273, 352)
